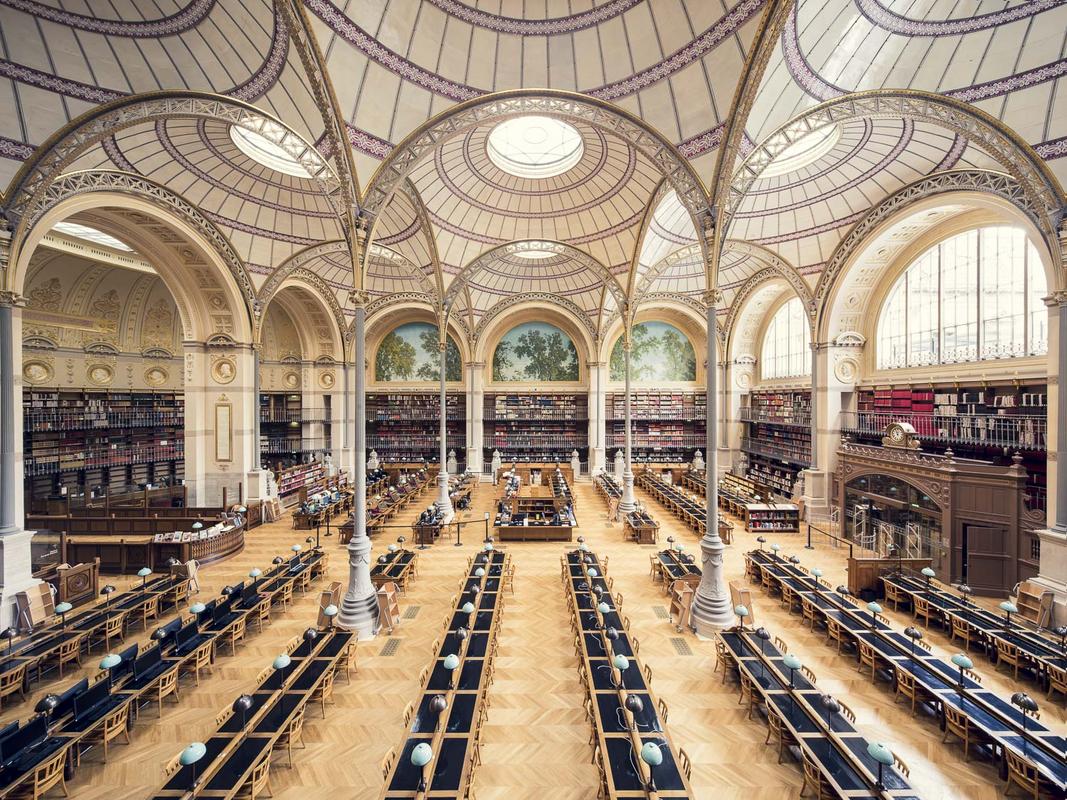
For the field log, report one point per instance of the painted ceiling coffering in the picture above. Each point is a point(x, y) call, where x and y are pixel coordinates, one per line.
point(621, 227)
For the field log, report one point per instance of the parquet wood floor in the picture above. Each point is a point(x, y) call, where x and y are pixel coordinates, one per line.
point(536, 737)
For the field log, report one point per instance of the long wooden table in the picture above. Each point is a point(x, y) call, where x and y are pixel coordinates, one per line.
point(620, 733)
point(1039, 650)
point(998, 720)
point(670, 496)
point(397, 567)
point(241, 743)
point(676, 567)
point(830, 740)
point(453, 735)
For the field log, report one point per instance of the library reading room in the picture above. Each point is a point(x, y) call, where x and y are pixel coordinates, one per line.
point(533, 399)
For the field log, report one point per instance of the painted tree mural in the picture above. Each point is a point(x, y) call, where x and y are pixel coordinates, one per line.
point(535, 351)
point(659, 352)
point(409, 353)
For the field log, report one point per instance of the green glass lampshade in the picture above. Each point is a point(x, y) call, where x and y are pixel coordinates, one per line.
point(296, 548)
point(197, 608)
point(468, 607)
point(741, 611)
point(929, 573)
point(592, 572)
point(192, 754)
point(874, 608)
point(962, 661)
point(791, 661)
point(651, 754)
point(488, 546)
point(421, 754)
point(816, 572)
point(621, 662)
point(330, 610)
point(583, 547)
point(880, 753)
point(391, 548)
point(776, 547)
point(603, 608)
point(451, 661)
point(63, 607)
point(282, 661)
point(479, 573)
point(1009, 607)
point(144, 572)
point(110, 661)
point(255, 572)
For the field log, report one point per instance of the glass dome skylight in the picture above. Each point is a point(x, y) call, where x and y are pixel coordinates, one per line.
point(806, 150)
point(535, 147)
point(91, 235)
point(263, 151)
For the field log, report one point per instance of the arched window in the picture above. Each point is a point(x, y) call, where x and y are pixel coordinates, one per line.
point(786, 349)
point(974, 297)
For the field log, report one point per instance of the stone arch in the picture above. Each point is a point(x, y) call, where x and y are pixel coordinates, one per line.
point(547, 308)
point(178, 239)
point(311, 294)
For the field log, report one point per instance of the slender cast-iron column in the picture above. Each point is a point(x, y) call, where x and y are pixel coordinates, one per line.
point(444, 502)
point(711, 604)
point(9, 482)
point(627, 503)
point(359, 609)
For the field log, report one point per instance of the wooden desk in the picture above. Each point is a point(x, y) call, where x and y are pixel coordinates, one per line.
point(533, 533)
point(397, 567)
point(641, 528)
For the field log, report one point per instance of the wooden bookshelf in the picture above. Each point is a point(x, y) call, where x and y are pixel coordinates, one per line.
point(667, 426)
point(779, 518)
point(536, 427)
point(405, 426)
point(85, 441)
point(286, 435)
point(783, 408)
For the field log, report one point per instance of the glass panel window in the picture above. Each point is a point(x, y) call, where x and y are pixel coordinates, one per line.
point(786, 351)
point(976, 296)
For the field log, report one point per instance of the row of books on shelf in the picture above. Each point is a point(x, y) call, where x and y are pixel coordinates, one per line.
point(772, 474)
point(384, 442)
point(295, 478)
point(399, 407)
point(664, 440)
point(657, 405)
point(522, 441)
point(535, 407)
point(990, 401)
point(69, 461)
point(72, 420)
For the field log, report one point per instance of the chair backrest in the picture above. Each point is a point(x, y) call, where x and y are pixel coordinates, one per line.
point(11, 680)
point(847, 712)
point(387, 762)
point(1007, 651)
point(811, 769)
point(957, 720)
point(1057, 676)
point(50, 772)
point(113, 626)
point(906, 681)
point(1021, 770)
point(902, 768)
point(867, 654)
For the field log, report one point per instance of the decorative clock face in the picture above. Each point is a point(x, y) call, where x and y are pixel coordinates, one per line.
point(896, 433)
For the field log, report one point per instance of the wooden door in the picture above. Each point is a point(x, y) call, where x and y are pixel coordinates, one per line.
point(985, 558)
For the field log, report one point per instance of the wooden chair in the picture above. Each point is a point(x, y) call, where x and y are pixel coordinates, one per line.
point(46, 776)
point(750, 693)
point(810, 612)
point(198, 660)
point(387, 763)
point(921, 607)
point(115, 724)
point(114, 628)
point(847, 712)
point(777, 730)
point(260, 614)
point(68, 651)
point(1057, 680)
point(409, 712)
point(902, 768)
point(958, 724)
point(723, 658)
point(868, 658)
point(234, 634)
point(687, 765)
point(1009, 654)
point(896, 596)
point(258, 783)
point(769, 583)
point(813, 778)
point(779, 643)
point(175, 595)
point(961, 629)
point(907, 688)
point(285, 596)
point(509, 578)
point(166, 686)
point(807, 673)
point(346, 662)
point(648, 675)
point(835, 632)
point(1023, 774)
point(655, 568)
point(14, 680)
point(661, 706)
point(324, 692)
point(146, 611)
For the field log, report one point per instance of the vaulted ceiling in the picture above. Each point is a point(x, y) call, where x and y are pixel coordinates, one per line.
point(379, 72)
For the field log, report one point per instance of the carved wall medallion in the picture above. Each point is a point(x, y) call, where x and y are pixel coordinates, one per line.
point(292, 380)
point(224, 370)
point(37, 371)
point(847, 370)
point(156, 376)
point(100, 374)
point(327, 380)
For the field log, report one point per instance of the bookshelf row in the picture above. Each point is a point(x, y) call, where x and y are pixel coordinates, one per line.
point(544, 426)
point(406, 426)
point(290, 431)
point(772, 473)
point(536, 407)
point(84, 440)
point(783, 408)
point(649, 405)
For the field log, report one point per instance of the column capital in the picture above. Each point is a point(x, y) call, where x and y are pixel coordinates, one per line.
point(359, 297)
point(712, 297)
point(1054, 299)
point(13, 299)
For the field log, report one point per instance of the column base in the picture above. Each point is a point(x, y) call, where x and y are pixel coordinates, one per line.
point(711, 611)
point(16, 574)
point(816, 496)
point(359, 615)
point(627, 503)
point(444, 502)
point(1054, 563)
point(597, 460)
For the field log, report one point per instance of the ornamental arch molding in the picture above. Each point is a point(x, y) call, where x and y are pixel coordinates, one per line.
point(315, 287)
point(755, 282)
point(995, 184)
point(486, 259)
point(302, 260)
point(577, 323)
point(1031, 174)
point(398, 166)
point(133, 194)
point(29, 189)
